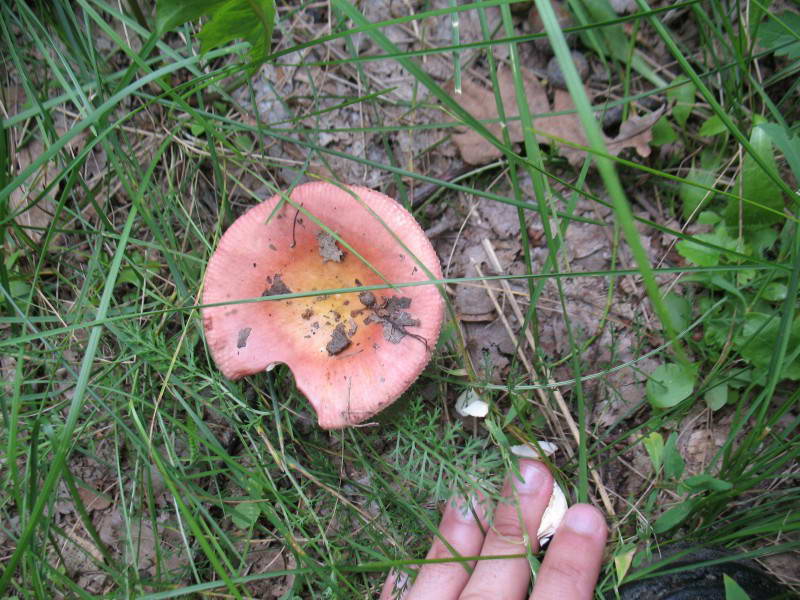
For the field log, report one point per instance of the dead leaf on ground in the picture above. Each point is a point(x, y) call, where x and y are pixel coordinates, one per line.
point(34, 215)
point(566, 127)
point(92, 499)
point(262, 558)
point(636, 132)
point(479, 101)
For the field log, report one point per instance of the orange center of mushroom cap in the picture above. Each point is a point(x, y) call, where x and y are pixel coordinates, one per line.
point(349, 359)
point(316, 317)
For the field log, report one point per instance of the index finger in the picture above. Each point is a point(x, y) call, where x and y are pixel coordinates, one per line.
point(572, 563)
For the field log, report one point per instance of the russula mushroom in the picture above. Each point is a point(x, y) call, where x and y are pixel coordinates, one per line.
point(352, 353)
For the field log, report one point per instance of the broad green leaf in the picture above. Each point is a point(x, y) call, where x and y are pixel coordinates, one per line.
point(703, 482)
point(733, 591)
point(774, 292)
point(669, 384)
point(703, 256)
point(683, 95)
point(713, 126)
point(757, 186)
point(780, 33)
point(708, 217)
point(172, 13)
point(248, 19)
point(745, 277)
point(244, 514)
point(19, 289)
point(756, 342)
point(680, 310)
point(623, 560)
point(761, 239)
point(673, 517)
point(673, 461)
point(663, 132)
point(129, 275)
point(228, 20)
point(654, 444)
point(692, 196)
point(786, 143)
point(717, 396)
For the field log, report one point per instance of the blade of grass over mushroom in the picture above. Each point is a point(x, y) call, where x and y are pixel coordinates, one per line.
point(129, 316)
point(607, 171)
point(425, 269)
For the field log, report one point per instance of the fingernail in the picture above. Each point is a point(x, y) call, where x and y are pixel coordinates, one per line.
point(466, 508)
point(583, 519)
point(533, 474)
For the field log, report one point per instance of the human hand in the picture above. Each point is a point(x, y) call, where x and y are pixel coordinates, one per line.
point(570, 568)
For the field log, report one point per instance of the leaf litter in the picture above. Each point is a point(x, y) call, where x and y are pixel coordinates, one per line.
point(562, 129)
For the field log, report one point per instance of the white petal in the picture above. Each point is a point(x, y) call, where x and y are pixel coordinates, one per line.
point(469, 404)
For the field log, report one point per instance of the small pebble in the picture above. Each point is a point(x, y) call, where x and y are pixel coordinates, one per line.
point(556, 77)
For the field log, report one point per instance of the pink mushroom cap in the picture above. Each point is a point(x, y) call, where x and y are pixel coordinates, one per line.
point(350, 358)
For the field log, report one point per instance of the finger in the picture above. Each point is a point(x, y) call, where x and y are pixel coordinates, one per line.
point(463, 524)
point(573, 560)
point(396, 586)
point(515, 523)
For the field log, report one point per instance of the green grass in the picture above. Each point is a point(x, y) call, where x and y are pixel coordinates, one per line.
point(107, 383)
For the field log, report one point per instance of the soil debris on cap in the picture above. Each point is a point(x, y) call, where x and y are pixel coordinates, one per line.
point(394, 319)
point(277, 286)
point(328, 249)
point(367, 299)
point(243, 335)
point(339, 341)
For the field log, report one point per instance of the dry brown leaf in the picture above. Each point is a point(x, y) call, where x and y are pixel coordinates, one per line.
point(562, 130)
point(92, 499)
point(36, 216)
point(636, 132)
point(33, 217)
point(565, 127)
point(77, 555)
point(479, 101)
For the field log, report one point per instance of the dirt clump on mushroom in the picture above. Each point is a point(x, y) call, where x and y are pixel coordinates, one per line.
point(328, 249)
point(391, 314)
point(243, 335)
point(339, 341)
point(276, 286)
